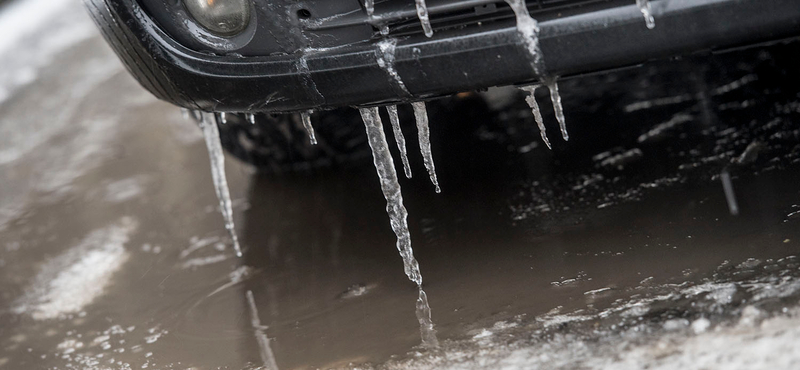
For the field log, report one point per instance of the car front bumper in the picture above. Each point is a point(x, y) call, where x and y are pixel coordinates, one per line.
point(453, 60)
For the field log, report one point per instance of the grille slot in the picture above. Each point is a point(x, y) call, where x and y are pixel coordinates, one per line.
point(491, 11)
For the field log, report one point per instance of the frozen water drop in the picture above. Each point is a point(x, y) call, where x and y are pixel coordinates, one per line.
point(308, 80)
point(385, 59)
point(644, 7)
point(221, 118)
point(399, 138)
point(306, 116)
point(559, 110)
point(250, 118)
point(424, 19)
point(384, 165)
point(370, 5)
point(528, 29)
point(424, 134)
point(217, 158)
point(537, 113)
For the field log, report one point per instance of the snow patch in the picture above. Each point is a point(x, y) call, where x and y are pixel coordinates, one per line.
point(21, 22)
point(125, 189)
point(71, 281)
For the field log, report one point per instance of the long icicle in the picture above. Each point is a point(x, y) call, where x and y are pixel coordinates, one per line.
point(384, 165)
point(424, 19)
point(537, 113)
point(424, 134)
point(217, 158)
point(644, 7)
point(555, 97)
point(306, 117)
point(399, 138)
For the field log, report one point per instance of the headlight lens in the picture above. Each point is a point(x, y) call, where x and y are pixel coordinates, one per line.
point(222, 17)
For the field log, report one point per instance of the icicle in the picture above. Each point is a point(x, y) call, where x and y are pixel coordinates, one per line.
point(424, 20)
point(399, 138)
point(385, 59)
point(424, 133)
point(308, 79)
point(391, 190)
point(370, 5)
point(555, 97)
point(644, 7)
point(250, 118)
point(306, 116)
point(185, 113)
point(537, 114)
point(528, 28)
point(221, 118)
point(211, 133)
point(384, 164)
point(264, 349)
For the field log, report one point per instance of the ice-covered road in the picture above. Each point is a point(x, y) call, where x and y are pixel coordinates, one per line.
point(615, 250)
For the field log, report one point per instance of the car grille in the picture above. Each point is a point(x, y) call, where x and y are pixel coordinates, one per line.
point(462, 13)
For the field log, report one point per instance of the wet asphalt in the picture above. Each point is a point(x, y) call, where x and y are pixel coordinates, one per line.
point(616, 249)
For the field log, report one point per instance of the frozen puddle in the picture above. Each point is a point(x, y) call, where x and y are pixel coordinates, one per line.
point(71, 281)
point(126, 189)
point(741, 319)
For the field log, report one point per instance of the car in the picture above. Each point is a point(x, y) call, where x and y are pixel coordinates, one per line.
point(268, 60)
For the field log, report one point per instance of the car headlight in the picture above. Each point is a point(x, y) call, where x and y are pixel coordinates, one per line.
point(221, 17)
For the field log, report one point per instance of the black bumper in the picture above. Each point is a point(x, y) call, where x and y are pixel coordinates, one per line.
point(453, 60)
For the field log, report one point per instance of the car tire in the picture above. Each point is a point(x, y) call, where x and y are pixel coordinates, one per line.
point(278, 143)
